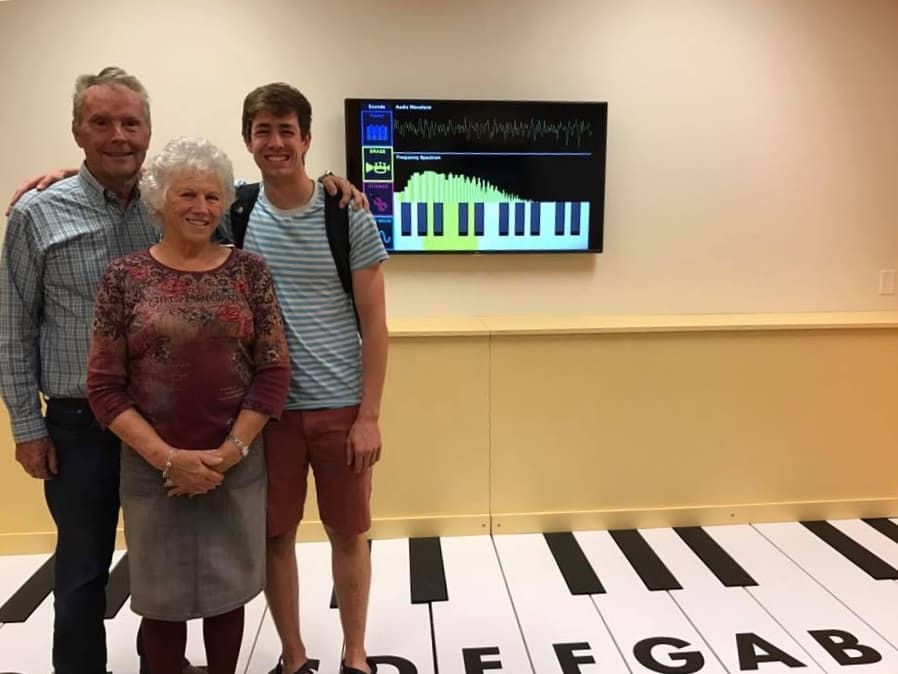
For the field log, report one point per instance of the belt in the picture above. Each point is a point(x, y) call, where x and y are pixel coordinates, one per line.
point(69, 403)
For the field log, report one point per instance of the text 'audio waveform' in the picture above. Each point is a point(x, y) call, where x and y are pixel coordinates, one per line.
point(567, 132)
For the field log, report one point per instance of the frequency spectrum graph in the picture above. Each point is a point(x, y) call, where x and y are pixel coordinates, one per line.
point(457, 213)
point(480, 176)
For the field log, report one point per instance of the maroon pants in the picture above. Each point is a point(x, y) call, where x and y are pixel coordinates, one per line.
point(164, 643)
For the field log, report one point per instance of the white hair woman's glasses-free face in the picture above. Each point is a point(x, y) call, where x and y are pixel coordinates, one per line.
point(192, 209)
point(181, 157)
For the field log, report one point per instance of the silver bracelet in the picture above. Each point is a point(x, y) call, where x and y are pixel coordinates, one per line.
point(239, 444)
point(171, 455)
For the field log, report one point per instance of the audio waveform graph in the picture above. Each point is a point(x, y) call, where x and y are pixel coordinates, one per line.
point(568, 132)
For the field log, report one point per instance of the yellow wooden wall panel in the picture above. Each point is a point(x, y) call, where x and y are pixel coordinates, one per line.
point(597, 429)
point(682, 420)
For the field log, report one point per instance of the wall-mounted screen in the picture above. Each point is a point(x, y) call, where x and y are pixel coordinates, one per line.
point(452, 176)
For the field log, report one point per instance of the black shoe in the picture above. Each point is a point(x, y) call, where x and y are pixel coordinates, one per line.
point(310, 667)
point(352, 670)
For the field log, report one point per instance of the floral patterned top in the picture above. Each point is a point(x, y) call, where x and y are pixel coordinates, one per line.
point(188, 350)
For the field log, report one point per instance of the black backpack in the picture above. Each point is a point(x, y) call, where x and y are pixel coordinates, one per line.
point(336, 223)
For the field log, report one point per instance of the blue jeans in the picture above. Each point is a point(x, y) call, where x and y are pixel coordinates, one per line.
point(83, 499)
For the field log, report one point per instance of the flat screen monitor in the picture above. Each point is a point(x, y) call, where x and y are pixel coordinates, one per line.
point(477, 176)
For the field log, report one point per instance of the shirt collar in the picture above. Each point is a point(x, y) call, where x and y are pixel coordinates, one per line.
point(97, 192)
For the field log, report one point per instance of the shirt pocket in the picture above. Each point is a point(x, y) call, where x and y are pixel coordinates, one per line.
point(73, 269)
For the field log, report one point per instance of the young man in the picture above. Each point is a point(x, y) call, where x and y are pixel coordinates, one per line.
point(58, 243)
point(330, 421)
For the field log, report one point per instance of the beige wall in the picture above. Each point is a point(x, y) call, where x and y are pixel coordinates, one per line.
point(751, 168)
point(751, 144)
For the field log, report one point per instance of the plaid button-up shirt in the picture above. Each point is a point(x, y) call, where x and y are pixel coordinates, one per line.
point(58, 243)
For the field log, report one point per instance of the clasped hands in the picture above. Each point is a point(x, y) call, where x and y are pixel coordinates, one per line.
point(199, 471)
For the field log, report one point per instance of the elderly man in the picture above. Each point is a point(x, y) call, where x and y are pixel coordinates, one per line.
point(58, 243)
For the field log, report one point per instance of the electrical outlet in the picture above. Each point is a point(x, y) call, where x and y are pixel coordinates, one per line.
point(886, 281)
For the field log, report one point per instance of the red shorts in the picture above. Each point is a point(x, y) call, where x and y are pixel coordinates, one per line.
point(318, 438)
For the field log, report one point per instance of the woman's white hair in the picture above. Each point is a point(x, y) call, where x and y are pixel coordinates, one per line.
point(179, 156)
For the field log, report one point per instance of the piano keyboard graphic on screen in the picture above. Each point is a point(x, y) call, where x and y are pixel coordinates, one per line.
point(437, 212)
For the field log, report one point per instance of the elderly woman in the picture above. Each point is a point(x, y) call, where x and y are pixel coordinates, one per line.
point(187, 363)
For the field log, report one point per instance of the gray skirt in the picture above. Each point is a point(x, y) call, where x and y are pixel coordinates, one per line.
point(194, 557)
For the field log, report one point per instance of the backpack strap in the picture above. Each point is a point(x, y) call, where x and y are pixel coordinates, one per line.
point(240, 210)
point(336, 222)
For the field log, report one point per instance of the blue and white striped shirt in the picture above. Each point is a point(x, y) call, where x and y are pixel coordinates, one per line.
point(325, 352)
point(58, 243)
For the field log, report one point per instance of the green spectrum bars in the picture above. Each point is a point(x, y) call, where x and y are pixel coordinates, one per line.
point(430, 187)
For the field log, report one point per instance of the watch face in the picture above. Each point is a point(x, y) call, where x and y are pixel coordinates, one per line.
point(239, 444)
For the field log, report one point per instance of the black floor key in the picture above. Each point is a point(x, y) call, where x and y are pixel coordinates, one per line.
point(575, 568)
point(884, 526)
point(653, 572)
point(718, 560)
point(118, 589)
point(27, 598)
point(426, 570)
point(854, 552)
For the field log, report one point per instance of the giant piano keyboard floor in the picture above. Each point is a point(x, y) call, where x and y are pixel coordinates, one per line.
point(786, 597)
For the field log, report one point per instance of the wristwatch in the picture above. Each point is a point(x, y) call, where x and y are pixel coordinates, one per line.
point(239, 444)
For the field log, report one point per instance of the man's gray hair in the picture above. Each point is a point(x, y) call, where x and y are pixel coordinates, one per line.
point(179, 156)
point(111, 75)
